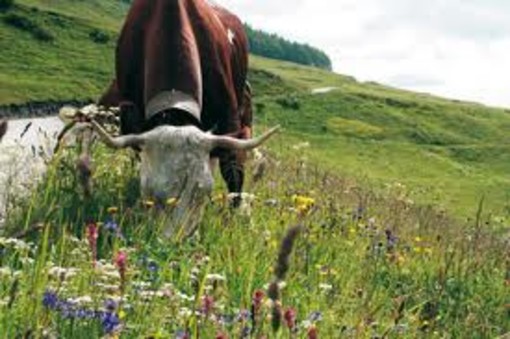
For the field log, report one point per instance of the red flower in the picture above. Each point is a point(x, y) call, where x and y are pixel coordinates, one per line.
point(258, 297)
point(221, 335)
point(312, 332)
point(290, 318)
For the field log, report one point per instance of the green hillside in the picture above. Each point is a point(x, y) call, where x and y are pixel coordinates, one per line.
point(447, 152)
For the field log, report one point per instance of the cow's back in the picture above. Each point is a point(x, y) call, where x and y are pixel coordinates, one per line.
point(187, 46)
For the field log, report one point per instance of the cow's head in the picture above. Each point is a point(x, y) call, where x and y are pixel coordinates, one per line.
point(3, 128)
point(175, 162)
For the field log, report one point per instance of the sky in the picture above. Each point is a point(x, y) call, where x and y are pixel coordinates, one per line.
point(453, 48)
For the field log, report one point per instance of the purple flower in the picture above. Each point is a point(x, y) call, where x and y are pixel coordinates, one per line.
point(50, 300)
point(391, 240)
point(110, 322)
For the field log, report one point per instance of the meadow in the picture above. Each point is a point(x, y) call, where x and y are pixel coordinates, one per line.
point(348, 261)
point(381, 213)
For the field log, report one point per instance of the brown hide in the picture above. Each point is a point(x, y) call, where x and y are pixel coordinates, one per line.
point(182, 45)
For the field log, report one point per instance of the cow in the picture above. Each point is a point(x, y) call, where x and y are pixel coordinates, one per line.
point(3, 128)
point(181, 70)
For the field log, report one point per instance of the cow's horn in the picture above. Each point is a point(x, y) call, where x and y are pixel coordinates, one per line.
point(131, 140)
point(239, 144)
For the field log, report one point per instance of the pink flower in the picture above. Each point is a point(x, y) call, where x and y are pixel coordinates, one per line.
point(92, 234)
point(207, 304)
point(121, 263)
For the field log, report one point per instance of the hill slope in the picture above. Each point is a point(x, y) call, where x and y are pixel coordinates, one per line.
point(446, 151)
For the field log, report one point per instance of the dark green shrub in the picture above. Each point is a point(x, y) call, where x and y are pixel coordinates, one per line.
point(99, 36)
point(25, 24)
point(6, 4)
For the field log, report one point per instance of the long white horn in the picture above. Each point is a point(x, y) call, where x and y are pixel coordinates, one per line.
point(240, 144)
point(131, 140)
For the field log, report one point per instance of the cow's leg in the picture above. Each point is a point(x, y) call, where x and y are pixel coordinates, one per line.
point(232, 170)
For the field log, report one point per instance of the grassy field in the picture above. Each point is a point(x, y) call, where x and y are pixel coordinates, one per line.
point(364, 264)
point(401, 200)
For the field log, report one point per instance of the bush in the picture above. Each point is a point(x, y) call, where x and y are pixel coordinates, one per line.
point(6, 4)
point(289, 102)
point(99, 36)
point(25, 24)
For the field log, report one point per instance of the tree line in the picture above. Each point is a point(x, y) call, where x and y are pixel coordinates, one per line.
point(276, 47)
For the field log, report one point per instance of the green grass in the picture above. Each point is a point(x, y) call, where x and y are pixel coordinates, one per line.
point(439, 279)
point(451, 153)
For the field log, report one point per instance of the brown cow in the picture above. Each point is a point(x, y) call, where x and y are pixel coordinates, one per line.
point(181, 68)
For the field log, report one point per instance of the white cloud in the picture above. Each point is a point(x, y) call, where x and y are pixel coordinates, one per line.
point(454, 48)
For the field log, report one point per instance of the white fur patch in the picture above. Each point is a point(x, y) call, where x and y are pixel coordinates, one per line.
point(231, 36)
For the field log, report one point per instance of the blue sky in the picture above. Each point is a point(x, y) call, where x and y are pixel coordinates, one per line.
point(453, 48)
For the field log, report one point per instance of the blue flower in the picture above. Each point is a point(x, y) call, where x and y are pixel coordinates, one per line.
point(110, 225)
point(110, 305)
point(50, 300)
point(110, 322)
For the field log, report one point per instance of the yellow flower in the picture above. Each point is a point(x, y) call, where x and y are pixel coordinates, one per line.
point(148, 203)
point(303, 204)
point(301, 200)
point(112, 210)
point(172, 202)
point(418, 239)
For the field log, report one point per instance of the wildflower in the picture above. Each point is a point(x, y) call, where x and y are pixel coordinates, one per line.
point(110, 322)
point(391, 240)
point(110, 225)
point(215, 277)
point(153, 267)
point(315, 316)
point(326, 287)
point(182, 334)
point(92, 234)
point(221, 335)
point(121, 263)
point(312, 332)
point(302, 203)
point(50, 300)
point(172, 202)
point(207, 305)
point(112, 210)
point(258, 297)
point(148, 203)
point(290, 318)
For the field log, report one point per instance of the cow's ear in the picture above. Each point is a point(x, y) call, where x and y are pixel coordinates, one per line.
point(3, 128)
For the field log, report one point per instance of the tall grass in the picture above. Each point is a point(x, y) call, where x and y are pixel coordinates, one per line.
point(368, 263)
